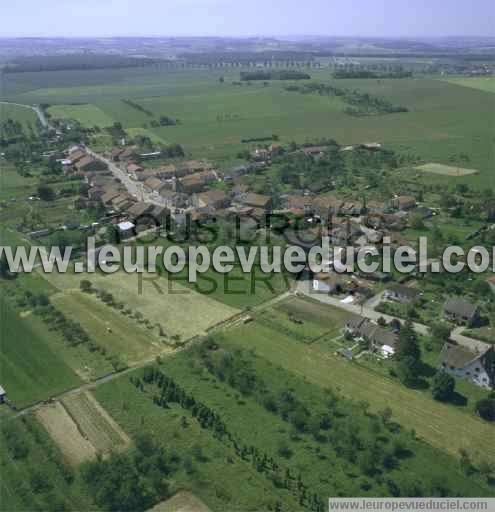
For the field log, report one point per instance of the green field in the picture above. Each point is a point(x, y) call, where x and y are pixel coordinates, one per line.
point(482, 83)
point(24, 115)
point(442, 426)
point(257, 425)
point(87, 115)
point(444, 119)
point(30, 370)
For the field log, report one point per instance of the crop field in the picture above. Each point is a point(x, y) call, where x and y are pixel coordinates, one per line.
point(30, 368)
point(81, 428)
point(87, 115)
point(482, 83)
point(95, 423)
point(443, 119)
point(446, 170)
point(65, 433)
point(440, 425)
point(157, 299)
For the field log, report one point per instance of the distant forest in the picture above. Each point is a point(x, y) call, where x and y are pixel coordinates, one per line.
point(364, 73)
point(74, 62)
point(274, 75)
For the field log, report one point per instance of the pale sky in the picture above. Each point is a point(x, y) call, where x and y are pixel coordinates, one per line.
point(381, 18)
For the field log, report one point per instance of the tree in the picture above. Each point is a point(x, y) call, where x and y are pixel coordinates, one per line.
point(486, 408)
point(221, 79)
point(408, 346)
point(440, 332)
point(416, 221)
point(85, 286)
point(443, 386)
point(46, 193)
point(407, 371)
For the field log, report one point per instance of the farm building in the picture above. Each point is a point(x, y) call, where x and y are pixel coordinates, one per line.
point(478, 368)
point(3, 395)
point(88, 163)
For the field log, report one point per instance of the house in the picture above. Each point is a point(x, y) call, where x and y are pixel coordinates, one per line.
point(76, 155)
point(3, 395)
point(134, 170)
point(115, 154)
point(160, 214)
point(380, 339)
point(153, 185)
point(215, 198)
point(376, 207)
point(90, 164)
point(190, 184)
point(258, 202)
point(424, 212)
point(191, 167)
point(138, 209)
point(126, 229)
point(129, 154)
point(122, 201)
point(402, 294)
point(403, 202)
point(328, 282)
point(109, 196)
point(476, 367)
point(315, 151)
point(461, 311)
point(327, 206)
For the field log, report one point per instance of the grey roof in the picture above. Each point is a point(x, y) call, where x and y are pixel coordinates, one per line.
point(404, 291)
point(455, 356)
point(460, 307)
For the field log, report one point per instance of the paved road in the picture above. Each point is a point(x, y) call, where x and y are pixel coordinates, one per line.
point(133, 187)
point(39, 112)
point(365, 310)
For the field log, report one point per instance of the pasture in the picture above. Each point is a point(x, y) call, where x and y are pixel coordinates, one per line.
point(446, 170)
point(31, 368)
point(444, 119)
point(87, 115)
point(443, 426)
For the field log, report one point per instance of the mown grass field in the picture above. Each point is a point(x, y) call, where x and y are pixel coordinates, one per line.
point(443, 426)
point(30, 368)
point(481, 83)
point(181, 311)
point(444, 119)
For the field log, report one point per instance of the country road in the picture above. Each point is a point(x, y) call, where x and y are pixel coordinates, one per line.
point(36, 108)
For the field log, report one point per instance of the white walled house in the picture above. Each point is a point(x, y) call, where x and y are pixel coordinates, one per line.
point(478, 368)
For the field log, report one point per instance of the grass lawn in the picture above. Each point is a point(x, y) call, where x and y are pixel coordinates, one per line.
point(443, 426)
point(26, 116)
point(29, 367)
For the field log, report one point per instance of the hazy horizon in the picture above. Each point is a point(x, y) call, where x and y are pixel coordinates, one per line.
point(226, 18)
